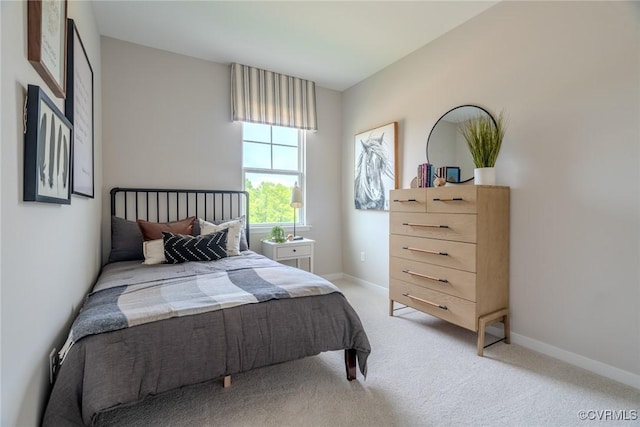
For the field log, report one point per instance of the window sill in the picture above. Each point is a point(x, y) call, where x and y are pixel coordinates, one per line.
point(266, 229)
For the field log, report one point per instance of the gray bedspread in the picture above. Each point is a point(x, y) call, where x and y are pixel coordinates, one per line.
point(133, 294)
point(142, 348)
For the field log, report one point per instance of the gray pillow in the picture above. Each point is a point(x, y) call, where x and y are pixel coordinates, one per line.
point(126, 240)
point(244, 246)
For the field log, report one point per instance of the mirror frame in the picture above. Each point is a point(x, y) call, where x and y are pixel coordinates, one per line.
point(438, 121)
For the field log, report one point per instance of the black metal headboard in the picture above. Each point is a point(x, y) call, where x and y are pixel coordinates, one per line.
point(164, 205)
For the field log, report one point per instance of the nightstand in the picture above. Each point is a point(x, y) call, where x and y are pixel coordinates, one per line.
point(296, 249)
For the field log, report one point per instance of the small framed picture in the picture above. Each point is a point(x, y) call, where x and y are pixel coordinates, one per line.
point(452, 174)
point(449, 173)
point(47, 42)
point(47, 150)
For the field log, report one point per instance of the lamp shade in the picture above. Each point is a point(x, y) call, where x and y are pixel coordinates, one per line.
point(296, 197)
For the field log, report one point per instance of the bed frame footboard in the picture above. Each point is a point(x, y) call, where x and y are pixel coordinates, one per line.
point(350, 363)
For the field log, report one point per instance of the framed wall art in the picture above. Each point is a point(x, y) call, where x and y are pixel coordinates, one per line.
point(79, 110)
point(47, 32)
point(47, 150)
point(376, 166)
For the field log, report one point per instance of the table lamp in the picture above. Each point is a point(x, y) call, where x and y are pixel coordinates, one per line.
point(296, 202)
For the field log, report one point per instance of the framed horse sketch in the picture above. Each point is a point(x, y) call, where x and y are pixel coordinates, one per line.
point(376, 166)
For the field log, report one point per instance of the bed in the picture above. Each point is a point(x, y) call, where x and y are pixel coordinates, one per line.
point(148, 328)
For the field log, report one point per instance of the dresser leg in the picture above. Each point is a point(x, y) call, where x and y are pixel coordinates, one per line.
point(391, 307)
point(488, 319)
point(480, 340)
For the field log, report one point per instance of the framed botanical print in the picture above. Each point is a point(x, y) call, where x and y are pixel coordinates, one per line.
point(47, 150)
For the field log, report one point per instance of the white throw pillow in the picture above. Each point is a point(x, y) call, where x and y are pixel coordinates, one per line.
point(233, 236)
point(153, 252)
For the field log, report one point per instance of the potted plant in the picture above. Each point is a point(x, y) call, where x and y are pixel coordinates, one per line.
point(277, 234)
point(484, 139)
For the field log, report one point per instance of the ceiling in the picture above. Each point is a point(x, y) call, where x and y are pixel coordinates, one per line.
point(336, 44)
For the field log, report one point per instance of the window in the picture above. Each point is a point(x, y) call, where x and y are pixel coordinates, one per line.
point(273, 161)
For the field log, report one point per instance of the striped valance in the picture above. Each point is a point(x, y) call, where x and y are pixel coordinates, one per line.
point(261, 96)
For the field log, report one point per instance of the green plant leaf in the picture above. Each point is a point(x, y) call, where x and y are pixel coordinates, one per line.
point(277, 234)
point(484, 139)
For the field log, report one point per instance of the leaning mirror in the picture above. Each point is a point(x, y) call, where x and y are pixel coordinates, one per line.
point(447, 147)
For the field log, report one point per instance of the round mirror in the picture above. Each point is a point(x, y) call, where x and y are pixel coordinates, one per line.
point(446, 147)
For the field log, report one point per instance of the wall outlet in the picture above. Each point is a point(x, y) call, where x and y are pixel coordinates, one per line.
point(362, 256)
point(53, 365)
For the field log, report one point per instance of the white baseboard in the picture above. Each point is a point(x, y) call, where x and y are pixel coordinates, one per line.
point(608, 371)
point(333, 276)
point(371, 286)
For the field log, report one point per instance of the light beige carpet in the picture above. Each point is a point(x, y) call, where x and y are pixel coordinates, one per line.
point(422, 372)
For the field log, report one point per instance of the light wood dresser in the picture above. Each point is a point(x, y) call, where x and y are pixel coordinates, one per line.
point(449, 254)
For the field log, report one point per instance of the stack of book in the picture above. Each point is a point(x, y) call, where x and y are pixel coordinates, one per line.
point(425, 175)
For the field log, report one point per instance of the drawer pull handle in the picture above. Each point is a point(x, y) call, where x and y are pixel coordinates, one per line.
point(453, 199)
point(443, 307)
point(426, 251)
point(403, 201)
point(294, 250)
point(437, 279)
point(415, 224)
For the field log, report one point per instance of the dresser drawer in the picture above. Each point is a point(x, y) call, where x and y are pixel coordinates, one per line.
point(283, 252)
point(457, 227)
point(448, 280)
point(461, 256)
point(408, 200)
point(452, 309)
point(454, 199)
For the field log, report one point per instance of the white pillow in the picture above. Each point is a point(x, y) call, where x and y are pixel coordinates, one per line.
point(233, 236)
point(153, 252)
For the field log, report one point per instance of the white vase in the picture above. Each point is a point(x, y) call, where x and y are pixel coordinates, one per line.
point(484, 176)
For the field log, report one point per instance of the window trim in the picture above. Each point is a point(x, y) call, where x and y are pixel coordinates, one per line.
point(300, 174)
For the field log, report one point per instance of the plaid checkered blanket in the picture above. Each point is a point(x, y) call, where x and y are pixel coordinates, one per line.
point(129, 293)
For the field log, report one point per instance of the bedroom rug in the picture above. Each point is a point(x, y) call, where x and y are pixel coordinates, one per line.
point(422, 372)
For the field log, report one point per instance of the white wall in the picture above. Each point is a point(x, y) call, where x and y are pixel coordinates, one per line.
point(1, 145)
point(167, 123)
point(567, 75)
point(50, 253)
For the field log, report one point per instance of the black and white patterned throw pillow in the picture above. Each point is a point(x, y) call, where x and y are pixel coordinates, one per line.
point(181, 248)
